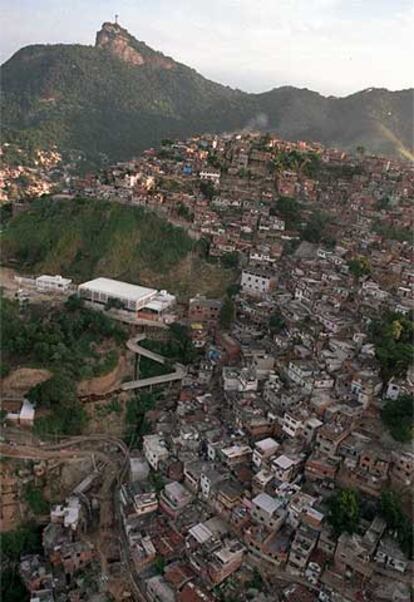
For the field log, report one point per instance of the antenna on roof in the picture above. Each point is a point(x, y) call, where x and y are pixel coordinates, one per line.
point(116, 19)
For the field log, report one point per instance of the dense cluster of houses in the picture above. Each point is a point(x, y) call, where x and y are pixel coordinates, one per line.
point(28, 175)
point(59, 573)
point(283, 407)
point(245, 174)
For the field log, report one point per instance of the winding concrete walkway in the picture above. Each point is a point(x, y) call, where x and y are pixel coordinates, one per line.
point(178, 374)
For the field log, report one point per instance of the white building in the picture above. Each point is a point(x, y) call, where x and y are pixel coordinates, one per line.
point(101, 290)
point(53, 283)
point(264, 449)
point(256, 282)
point(242, 380)
point(155, 450)
point(149, 303)
point(292, 424)
point(268, 510)
point(211, 175)
point(284, 468)
point(24, 417)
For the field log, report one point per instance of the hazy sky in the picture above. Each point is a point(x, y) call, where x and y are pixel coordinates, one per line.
point(333, 46)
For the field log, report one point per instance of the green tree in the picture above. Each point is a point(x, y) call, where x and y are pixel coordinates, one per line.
point(64, 419)
point(159, 564)
point(359, 266)
point(256, 581)
point(398, 416)
point(276, 323)
point(344, 511)
point(315, 229)
point(288, 209)
point(136, 424)
point(24, 540)
point(392, 335)
point(181, 345)
point(233, 290)
point(57, 390)
point(203, 247)
point(360, 151)
point(74, 303)
point(115, 303)
point(227, 313)
point(184, 212)
point(207, 189)
point(397, 521)
point(230, 260)
point(4, 369)
point(35, 499)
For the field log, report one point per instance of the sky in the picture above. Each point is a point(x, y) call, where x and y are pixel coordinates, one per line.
point(332, 46)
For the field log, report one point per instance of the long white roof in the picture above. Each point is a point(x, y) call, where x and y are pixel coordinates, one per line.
point(118, 288)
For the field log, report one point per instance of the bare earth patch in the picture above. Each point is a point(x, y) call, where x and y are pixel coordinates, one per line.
point(20, 381)
point(101, 385)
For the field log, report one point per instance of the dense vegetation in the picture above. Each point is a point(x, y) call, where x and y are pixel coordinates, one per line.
point(83, 238)
point(85, 98)
point(136, 424)
point(398, 416)
point(60, 340)
point(24, 540)
point(65, 414)
point(305, 162)
point(66, 343)
point(392, 336)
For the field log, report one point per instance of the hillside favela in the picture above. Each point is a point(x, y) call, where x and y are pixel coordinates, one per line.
point(207, 371)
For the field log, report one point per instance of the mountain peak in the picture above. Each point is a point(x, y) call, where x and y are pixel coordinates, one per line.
point(119, 42)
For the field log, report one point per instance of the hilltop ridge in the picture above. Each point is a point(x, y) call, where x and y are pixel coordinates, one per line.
point(121, 96)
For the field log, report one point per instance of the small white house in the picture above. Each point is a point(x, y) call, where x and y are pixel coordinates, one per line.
point(53, 283)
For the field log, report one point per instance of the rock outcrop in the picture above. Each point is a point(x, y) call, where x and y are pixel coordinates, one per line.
point(119, 42)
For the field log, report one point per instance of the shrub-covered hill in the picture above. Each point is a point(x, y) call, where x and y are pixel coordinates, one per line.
point(85, 238)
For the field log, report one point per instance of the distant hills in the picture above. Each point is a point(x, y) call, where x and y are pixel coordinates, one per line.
point(120, 97)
